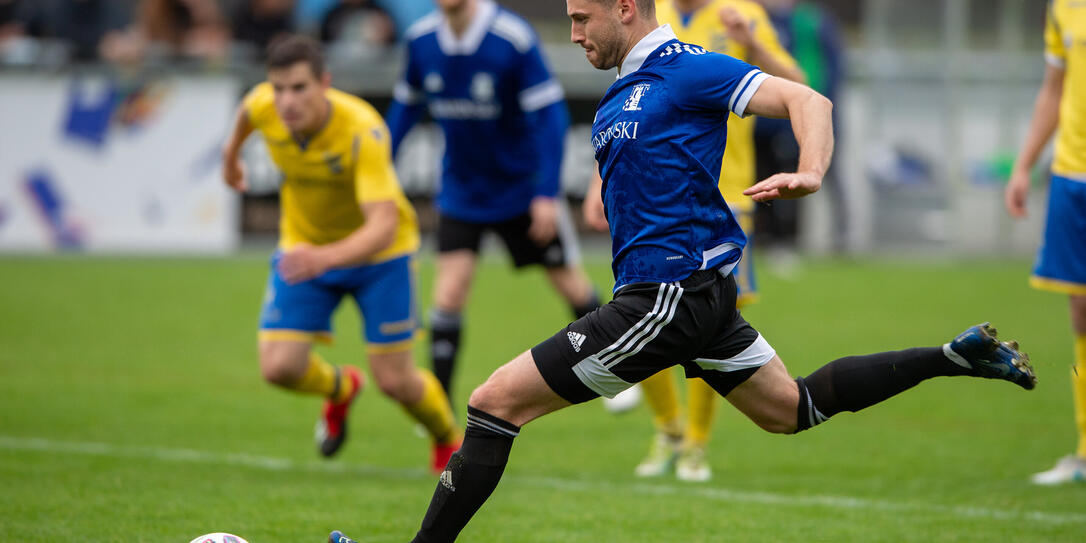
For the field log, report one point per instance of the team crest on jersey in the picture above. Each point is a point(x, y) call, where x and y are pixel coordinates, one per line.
point(482, 87)
point(433, 83)
point(633, 102)
point(334, 162)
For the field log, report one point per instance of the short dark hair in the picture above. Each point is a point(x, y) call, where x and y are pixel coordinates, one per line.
point(646, 7)
point(294, 48)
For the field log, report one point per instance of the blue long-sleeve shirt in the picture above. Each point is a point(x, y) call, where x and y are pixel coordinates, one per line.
point(503, 114)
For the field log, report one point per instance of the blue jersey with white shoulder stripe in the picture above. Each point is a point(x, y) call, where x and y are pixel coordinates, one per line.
point(659, 137)
point(502, 113)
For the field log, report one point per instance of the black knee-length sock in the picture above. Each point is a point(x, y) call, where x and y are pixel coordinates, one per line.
point(444, 345)
point(856, 382)
point(469, 478)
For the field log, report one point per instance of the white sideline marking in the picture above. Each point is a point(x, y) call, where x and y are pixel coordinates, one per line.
point(271, 463)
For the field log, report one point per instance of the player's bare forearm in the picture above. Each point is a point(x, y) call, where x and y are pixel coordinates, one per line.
point(812, 123)
point(233, 172)
point(594, 215)
point(1046, 113)
point(376, 234)
point(239, 132)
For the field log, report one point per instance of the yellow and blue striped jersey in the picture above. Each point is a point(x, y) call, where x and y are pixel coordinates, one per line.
point(1065, 47)
point(703, 27)
point(347, 163)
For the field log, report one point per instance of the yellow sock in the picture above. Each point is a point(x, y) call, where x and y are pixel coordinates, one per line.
point(1078, 388)
point(433, 411)
point(320, 378)
point(701, 402)
point(662, 396)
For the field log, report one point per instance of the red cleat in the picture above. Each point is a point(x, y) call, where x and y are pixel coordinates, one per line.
point(331, 429)
point(441, 454)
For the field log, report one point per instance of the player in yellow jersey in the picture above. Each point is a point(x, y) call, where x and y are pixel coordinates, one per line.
point(346, 229)
point(741, 29)
point(1061, 261)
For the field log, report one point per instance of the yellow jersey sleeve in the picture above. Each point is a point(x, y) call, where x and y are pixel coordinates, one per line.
point(374, 176)
point(259, 105)
point(766, 35)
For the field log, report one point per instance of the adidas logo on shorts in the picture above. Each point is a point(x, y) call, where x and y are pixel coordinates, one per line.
point(576, 340)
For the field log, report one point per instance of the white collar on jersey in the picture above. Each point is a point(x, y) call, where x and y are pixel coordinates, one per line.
point(636, 57)
point(469, 41)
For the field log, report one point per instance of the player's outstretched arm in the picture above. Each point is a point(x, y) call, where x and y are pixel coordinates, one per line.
point(376, 234)
point(812, 124)
point(303, 262)
point(233, 172)
point(1046, 114)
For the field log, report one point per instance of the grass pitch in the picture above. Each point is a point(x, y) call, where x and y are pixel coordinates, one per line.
point(131, 409)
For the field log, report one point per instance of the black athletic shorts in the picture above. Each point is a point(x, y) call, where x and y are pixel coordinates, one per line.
point(454, 234)
point(649, 327)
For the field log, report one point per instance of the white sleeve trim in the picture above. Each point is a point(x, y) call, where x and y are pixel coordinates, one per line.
point(1055, 61)
point(539, 96)
point(745, 91)
point(406, 94)
point(514, 31)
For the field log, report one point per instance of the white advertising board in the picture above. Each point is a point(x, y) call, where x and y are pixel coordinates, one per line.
point(88, 163)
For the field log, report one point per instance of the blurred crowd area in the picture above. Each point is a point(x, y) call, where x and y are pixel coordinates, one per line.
point(39, 33)
point(134, 32)
point(42, 33)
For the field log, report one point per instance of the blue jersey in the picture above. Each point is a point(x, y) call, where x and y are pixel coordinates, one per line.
point(659, 136)
point(502, 113)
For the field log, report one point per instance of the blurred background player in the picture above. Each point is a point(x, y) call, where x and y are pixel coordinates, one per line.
point(741, 29)
point(346, 229)
point(813, 37)
point(479, 69)
point(1061, 261)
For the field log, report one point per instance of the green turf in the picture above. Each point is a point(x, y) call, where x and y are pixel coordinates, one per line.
point(131, 409)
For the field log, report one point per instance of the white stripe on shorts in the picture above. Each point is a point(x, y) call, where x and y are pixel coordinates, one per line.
point(594, 371)
point(645, 326)
point(644, 320)
point(758, 354)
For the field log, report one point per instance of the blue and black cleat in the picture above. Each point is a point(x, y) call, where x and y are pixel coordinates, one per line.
point(978, 349)
point(337, 537)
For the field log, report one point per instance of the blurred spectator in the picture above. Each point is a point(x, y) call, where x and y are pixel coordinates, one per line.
point(10, 27)
point(404, 13)
point(258, 22)
point(9, 24)
point(192, 29)
point(358, 20)
point(813, 37)
point(81, 25)
point(308, 14)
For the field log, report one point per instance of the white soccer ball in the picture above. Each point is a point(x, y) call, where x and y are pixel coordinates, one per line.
point(218, 537)
point(625, 401)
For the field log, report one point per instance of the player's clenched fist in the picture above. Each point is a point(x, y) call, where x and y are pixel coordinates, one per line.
point(233, 172)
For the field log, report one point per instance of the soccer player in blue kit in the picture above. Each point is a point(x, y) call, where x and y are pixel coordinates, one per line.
point(659, 138)
point(478, 69)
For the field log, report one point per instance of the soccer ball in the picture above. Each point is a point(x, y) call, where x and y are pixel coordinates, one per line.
point(218, 537)
point(625, 401)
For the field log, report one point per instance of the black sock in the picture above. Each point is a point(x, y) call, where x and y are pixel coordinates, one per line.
point(444, 344)
point(857, 382)
point(589, 306)
point(469, 478)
